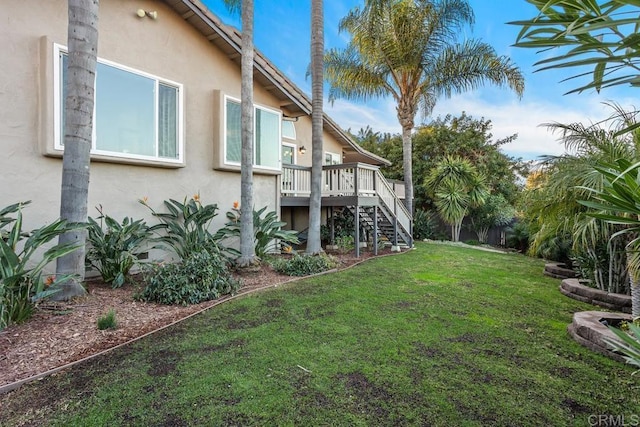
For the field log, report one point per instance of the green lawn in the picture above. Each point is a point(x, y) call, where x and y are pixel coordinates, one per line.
point(442, 335)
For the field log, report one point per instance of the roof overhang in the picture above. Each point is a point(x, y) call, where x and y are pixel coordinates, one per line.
point(293, 101)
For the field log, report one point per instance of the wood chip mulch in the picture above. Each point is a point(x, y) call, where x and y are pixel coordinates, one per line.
point(61, 333)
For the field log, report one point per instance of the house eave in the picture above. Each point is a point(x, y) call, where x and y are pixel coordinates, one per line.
point(293, 101)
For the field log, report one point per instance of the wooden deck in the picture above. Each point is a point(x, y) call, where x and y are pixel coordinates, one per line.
point(360, 187)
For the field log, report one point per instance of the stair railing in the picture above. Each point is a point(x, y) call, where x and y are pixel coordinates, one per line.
point(392, 202)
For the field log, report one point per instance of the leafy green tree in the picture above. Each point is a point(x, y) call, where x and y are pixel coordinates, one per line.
point(82, 41)
point(408, 49)
point(457, 187)
point(462, 136)
point(494, 212)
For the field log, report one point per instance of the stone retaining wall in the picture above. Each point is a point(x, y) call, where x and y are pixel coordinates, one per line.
point(587, 329)
point(558, 271)
point(576, 290)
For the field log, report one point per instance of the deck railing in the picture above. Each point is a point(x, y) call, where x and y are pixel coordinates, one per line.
point(346, 179)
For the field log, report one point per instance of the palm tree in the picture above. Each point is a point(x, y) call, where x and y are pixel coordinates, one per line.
point(556, 204)
point(618, 205)
point(456, 187)
point(601, 35)
point(315, 199)
point(247, 251)
point(407, 49)
point(82, 41)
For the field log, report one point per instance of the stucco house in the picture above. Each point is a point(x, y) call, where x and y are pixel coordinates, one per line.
point(167, 120)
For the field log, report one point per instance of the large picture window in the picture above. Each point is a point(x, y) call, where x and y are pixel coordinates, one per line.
point(266, 136)
point(136, 115)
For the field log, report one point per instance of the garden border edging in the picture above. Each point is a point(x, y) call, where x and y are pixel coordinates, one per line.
point(16, 384)
point(588, 331)
point(611, 301)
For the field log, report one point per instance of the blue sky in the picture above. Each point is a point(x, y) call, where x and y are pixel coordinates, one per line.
point(282, 33)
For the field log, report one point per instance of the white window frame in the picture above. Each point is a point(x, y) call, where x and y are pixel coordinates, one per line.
point(295, 152)
point(333, 156)
point(224, 134)
point(57, 111)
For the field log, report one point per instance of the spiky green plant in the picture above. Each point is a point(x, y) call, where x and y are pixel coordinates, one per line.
point(21, 282)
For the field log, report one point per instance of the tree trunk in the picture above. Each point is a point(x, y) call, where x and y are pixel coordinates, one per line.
point(483, 234)
point(407, 165)
point(455, 231)
point(406, 115)
point(82, 44)
point(317, 53)
point(247, 246)
point(635, 297)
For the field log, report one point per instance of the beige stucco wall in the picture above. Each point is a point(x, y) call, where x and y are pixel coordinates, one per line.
point(169, 48)
point(303, 135)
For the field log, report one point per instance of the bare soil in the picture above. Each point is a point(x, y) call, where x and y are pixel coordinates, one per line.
point(61, 333)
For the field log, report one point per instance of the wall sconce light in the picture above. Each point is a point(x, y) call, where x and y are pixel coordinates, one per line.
point(142, 13)
point(302, 150)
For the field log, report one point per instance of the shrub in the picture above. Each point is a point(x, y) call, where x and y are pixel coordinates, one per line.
point(108, 321)
point(424, 225)
point(267, 230)
point(186, 227)
point(304, 265)
point(518, 237)
point(21, 282)
point(115, 251)
point(343, 224)
point(345, 243)
point(202, 276)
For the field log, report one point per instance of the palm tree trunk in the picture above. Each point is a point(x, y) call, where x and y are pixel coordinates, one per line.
point(78, 112)
point(247, 247)
point(407, 162)
point(317, 53)
point(635, 299)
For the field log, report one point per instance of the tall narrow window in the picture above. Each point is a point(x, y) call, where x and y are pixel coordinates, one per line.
point(266, 131)
point(167, 122)
point(267, 139)
point(234, 142)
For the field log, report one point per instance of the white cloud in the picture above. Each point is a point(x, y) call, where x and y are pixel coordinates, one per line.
point(509, 116)
point(379, 115)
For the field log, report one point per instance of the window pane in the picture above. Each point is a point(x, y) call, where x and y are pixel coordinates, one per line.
point(287, 155)
point(125, 112)
point(234, 143)
point(288, 129)
point(63, 93)
point(167, 122)
point(267, 139)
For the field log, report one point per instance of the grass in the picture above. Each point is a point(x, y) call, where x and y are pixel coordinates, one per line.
point(442, 335)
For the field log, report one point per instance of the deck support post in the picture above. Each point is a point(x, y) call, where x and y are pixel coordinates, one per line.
point(356, 222)
point(375, 230)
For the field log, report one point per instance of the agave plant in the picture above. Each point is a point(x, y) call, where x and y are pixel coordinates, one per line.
point(21, 282)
